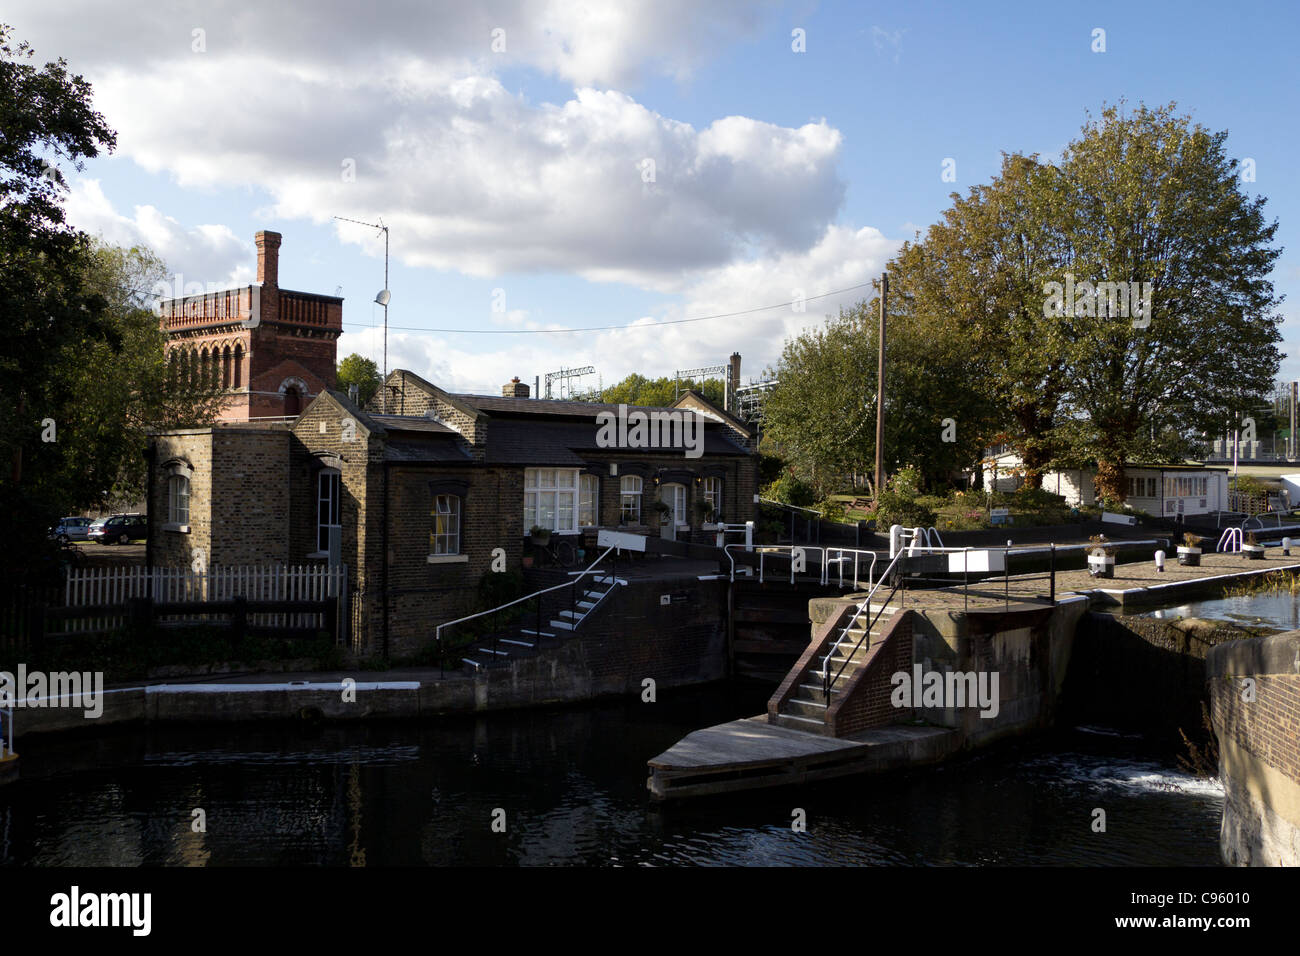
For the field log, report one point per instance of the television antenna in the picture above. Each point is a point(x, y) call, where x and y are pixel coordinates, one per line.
point(382, 298)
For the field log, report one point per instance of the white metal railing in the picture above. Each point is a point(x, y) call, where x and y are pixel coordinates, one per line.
point(1232, 538)
point(840, 558)
point(576, 575)
point(782, 504)
point(913, 539)
point(862, 608)
point(747, 529)
point(101, 587)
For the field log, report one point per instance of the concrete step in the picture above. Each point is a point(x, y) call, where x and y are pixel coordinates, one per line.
point(563, 625)
point(528, 645)
point(808, 724)
point(534, 633)
point(798, 707)
point(813, 692)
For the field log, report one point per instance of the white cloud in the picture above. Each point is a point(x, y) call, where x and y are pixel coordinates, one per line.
point(474, 178)
point(205, 253)
point(841, 259)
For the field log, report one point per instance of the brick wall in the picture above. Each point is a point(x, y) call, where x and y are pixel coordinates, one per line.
point(866, 701)
point(1269, 727)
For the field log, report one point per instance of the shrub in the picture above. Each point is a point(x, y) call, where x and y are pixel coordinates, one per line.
point(791, 490)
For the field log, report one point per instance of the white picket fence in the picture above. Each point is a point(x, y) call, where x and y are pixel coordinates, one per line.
point(111, 587)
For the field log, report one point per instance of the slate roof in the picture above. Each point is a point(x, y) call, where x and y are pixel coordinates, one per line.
point(561, 443)
point(415, 449)
point(412, 423)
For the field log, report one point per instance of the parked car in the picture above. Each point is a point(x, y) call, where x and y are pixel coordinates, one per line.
point(119, 529)
point(71, 529)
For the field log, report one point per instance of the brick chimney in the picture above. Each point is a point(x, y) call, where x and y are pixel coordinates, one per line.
point(514, 389)
point(268, 258)
point(733, 383)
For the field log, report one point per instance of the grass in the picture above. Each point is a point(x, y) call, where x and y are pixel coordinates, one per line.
point(1275, 582)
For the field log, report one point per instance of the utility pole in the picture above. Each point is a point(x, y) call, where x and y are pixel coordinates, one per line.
point(883, 285)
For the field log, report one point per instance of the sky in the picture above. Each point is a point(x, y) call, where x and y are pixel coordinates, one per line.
point(618, 167)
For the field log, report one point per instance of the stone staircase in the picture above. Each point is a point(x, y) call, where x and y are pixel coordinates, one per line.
point(561, 616)
point(806, 708)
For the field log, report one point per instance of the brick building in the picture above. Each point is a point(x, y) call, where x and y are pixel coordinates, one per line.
point(273, 350)
point(422, 496)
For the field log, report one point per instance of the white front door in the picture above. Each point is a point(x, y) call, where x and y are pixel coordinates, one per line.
point(674, 496)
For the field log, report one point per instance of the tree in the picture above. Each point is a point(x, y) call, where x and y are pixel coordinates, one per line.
point(1152, 201)
point(43, 113)
point(361, 372)
point(822, 414)
point(659, 392)
point(123, 384)
point(1119, 301)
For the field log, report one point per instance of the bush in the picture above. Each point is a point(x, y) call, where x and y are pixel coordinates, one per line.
point(901, 503)
point(791, 490)
point(1032, 499)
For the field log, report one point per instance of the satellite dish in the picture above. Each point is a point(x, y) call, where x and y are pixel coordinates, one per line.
point(384, 297)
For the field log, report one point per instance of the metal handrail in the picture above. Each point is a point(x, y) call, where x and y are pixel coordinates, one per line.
point(1233, 538)
point(578, 576)
point(865, 606)
point(782, 504)
point(826, 560)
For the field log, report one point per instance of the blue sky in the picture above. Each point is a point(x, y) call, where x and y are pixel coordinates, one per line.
point(520, 169)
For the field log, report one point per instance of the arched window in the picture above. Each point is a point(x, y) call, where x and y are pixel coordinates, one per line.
point(225, 367)
point(205, 364)
point(178, 496)
point(237, 379)
point(328, 507)
point(292, 402)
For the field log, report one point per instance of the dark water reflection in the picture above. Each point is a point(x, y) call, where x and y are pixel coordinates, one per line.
point(571, 784)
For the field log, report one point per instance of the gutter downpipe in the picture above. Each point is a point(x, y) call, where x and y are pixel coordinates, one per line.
point(151, 458)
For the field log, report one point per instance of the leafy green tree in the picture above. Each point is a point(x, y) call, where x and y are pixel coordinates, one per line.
point(1153, 198)
point(659, 392)
point(124, 385)
point(361, 372)
point(823, 413)
point(45, 114)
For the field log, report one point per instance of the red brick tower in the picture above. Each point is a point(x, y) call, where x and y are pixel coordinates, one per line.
point(272, 349)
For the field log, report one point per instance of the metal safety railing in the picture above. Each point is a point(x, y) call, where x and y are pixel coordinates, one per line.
point(864, 608)
point(1229, 542)
point(838, 559)
point(576, 576)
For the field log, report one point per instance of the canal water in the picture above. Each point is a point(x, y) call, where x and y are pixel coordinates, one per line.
point(569, 787)
point(1279, 609)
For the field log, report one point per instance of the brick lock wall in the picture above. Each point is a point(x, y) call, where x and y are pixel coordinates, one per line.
point(867, 703)
point(1268, 727)
point(250, 497)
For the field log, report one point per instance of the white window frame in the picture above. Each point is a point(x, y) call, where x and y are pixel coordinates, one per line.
point(588, 501)
point(560, 485)
point(630, 499)
point(178, 473)
point(445, 543)
point(712, 493)
point(332, 502)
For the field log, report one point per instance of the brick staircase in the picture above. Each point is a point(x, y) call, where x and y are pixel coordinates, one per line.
point(561, 615)
point(805, 709)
